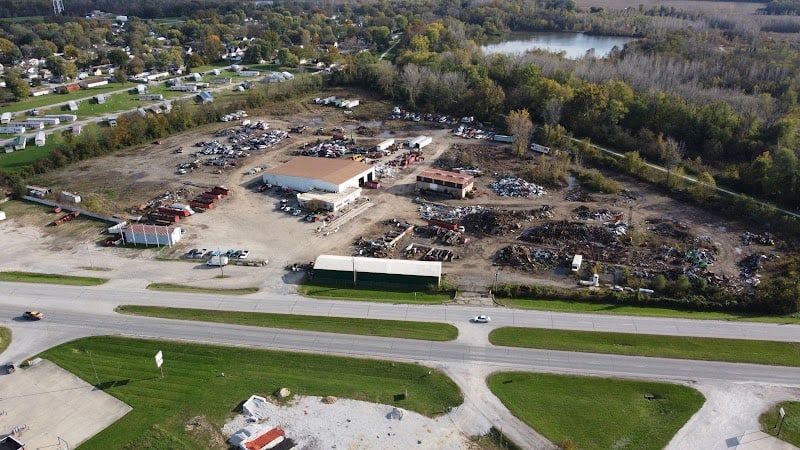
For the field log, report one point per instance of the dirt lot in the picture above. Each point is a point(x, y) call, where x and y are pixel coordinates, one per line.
point(668, 236)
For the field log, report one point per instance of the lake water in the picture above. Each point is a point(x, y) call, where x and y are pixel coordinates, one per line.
point(575, 45)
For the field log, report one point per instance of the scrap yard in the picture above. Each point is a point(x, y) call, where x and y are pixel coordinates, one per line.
point(516, 222)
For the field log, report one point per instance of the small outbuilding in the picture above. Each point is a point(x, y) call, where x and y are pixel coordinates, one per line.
point(455, 183)
point(40, 139)
point(152, 235)
point(360, 271)
point(69, 197)
point(204, 97)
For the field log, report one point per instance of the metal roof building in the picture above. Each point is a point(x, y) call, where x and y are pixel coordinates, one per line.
point(151, 235)
point(306, 173)
point(360, 271)
point(455, 183)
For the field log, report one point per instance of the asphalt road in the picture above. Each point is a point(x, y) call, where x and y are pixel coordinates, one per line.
point(77, 311)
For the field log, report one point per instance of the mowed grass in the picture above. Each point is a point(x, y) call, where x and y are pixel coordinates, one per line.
point(51, 278)
point(45, 101)
point(681, 347)
point(169, 287)
point(372, 295)
point(790, 430)
point(630, 310)
point(5, 338)
point(193, 386)
point(597, 413)
point(428, 331)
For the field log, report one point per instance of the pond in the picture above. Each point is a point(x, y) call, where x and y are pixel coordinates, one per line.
point(575, 45)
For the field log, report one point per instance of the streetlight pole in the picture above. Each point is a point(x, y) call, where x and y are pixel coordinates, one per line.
point(60, 439)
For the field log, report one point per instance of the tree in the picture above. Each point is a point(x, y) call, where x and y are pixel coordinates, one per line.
point(704, 188)
point(18, 87)
point(117, 57)
point(287, 58)
point(671, 153)
point(8, 51)
point(212, 48)
point(61, 67)
point(411, 79)
point(520, 126)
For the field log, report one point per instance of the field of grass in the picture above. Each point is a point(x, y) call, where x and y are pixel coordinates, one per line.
point(17, 159)
point(5, 338)
point(336, 292)
point(790, 430)
point(597, 413)
point(681, 347)
point(193, 387)
point(629, 310)
point(199, 290)
point(50, 278)
point(50, 99)
point(369, 327)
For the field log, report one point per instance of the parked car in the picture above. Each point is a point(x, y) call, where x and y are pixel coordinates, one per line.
point(33, 315)
point(481, 319)
point(10, 368)
point(242, 254)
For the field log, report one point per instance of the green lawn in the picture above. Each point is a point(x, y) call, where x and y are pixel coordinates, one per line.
point(682, 347)
point(200, 290)
point(597, 413)
point(790, 430)
point(17, 159)
point(370, 327)
point(630, 310)
point(46, 100)
point(5, 338)
point(193, 387)
point(51, 278)
point(372, 295)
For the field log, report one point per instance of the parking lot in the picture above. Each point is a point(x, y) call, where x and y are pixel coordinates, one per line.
point(67, 410)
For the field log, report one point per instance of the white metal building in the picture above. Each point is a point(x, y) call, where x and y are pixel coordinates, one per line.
point(306, 173)
point(152, 235)
point(40, 139)
point(333, 201)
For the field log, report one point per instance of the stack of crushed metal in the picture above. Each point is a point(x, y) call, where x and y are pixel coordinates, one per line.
point(511, 186)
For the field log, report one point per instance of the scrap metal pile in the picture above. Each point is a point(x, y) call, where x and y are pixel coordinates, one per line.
point(511, 186)
point(383, 247)
point(578, 195)
point(528, 258)
point(502, 221)
point(763, 239)
point(440, 211)
point(442, 235)
point(584, 213)
point(563, 231)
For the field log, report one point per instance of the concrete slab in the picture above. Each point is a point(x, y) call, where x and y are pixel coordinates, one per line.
point(46, 402)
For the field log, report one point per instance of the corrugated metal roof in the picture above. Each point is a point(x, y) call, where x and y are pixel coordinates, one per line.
point(445, 175)
point(332, 170)
point(150, 229)
point(379, 265)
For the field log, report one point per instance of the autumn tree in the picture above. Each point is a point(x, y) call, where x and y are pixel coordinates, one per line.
point(520, 126)
point(703, 188)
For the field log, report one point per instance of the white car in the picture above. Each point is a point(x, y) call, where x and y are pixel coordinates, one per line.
point(481, 319)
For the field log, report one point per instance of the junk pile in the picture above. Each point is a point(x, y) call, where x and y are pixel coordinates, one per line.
point(750, 267)
point(669, 228)
point(579, 195)
point(442, 235)
point(428, 253)
point(439, 211)
point(511, 186)
point(383, 246)
point(585, 213)
point(700, 258)
point(501, 221)
point(763, 239)
point(527, 258)
point(564, 231)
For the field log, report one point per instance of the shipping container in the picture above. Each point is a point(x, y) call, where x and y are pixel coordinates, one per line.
point(221, 190)
point(443, 224)
point(174, 211)
point(503, 138)
point(163, 217)
point(211, 195)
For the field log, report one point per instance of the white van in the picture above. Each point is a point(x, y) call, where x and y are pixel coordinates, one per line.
point(576, 263)
point(217, 261)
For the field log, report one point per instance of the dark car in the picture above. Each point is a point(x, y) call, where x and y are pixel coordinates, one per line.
point(10, 368)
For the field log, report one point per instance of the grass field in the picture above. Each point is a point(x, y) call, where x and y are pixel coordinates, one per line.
point(790, 430)
point(682, 347)
point(17, 159)
point(5, 338)
point(46, 100)
point(369, 327)
point(597, 413)
point(336, 292)
point(193, 387)
point(609, 308)
point(168, 287)
point(51, 278)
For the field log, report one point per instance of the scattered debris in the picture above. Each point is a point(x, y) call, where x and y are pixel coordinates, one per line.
point(501, 221)
point(527, 258)
point(511, 186)
point(579, 195)
point(765, 238)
